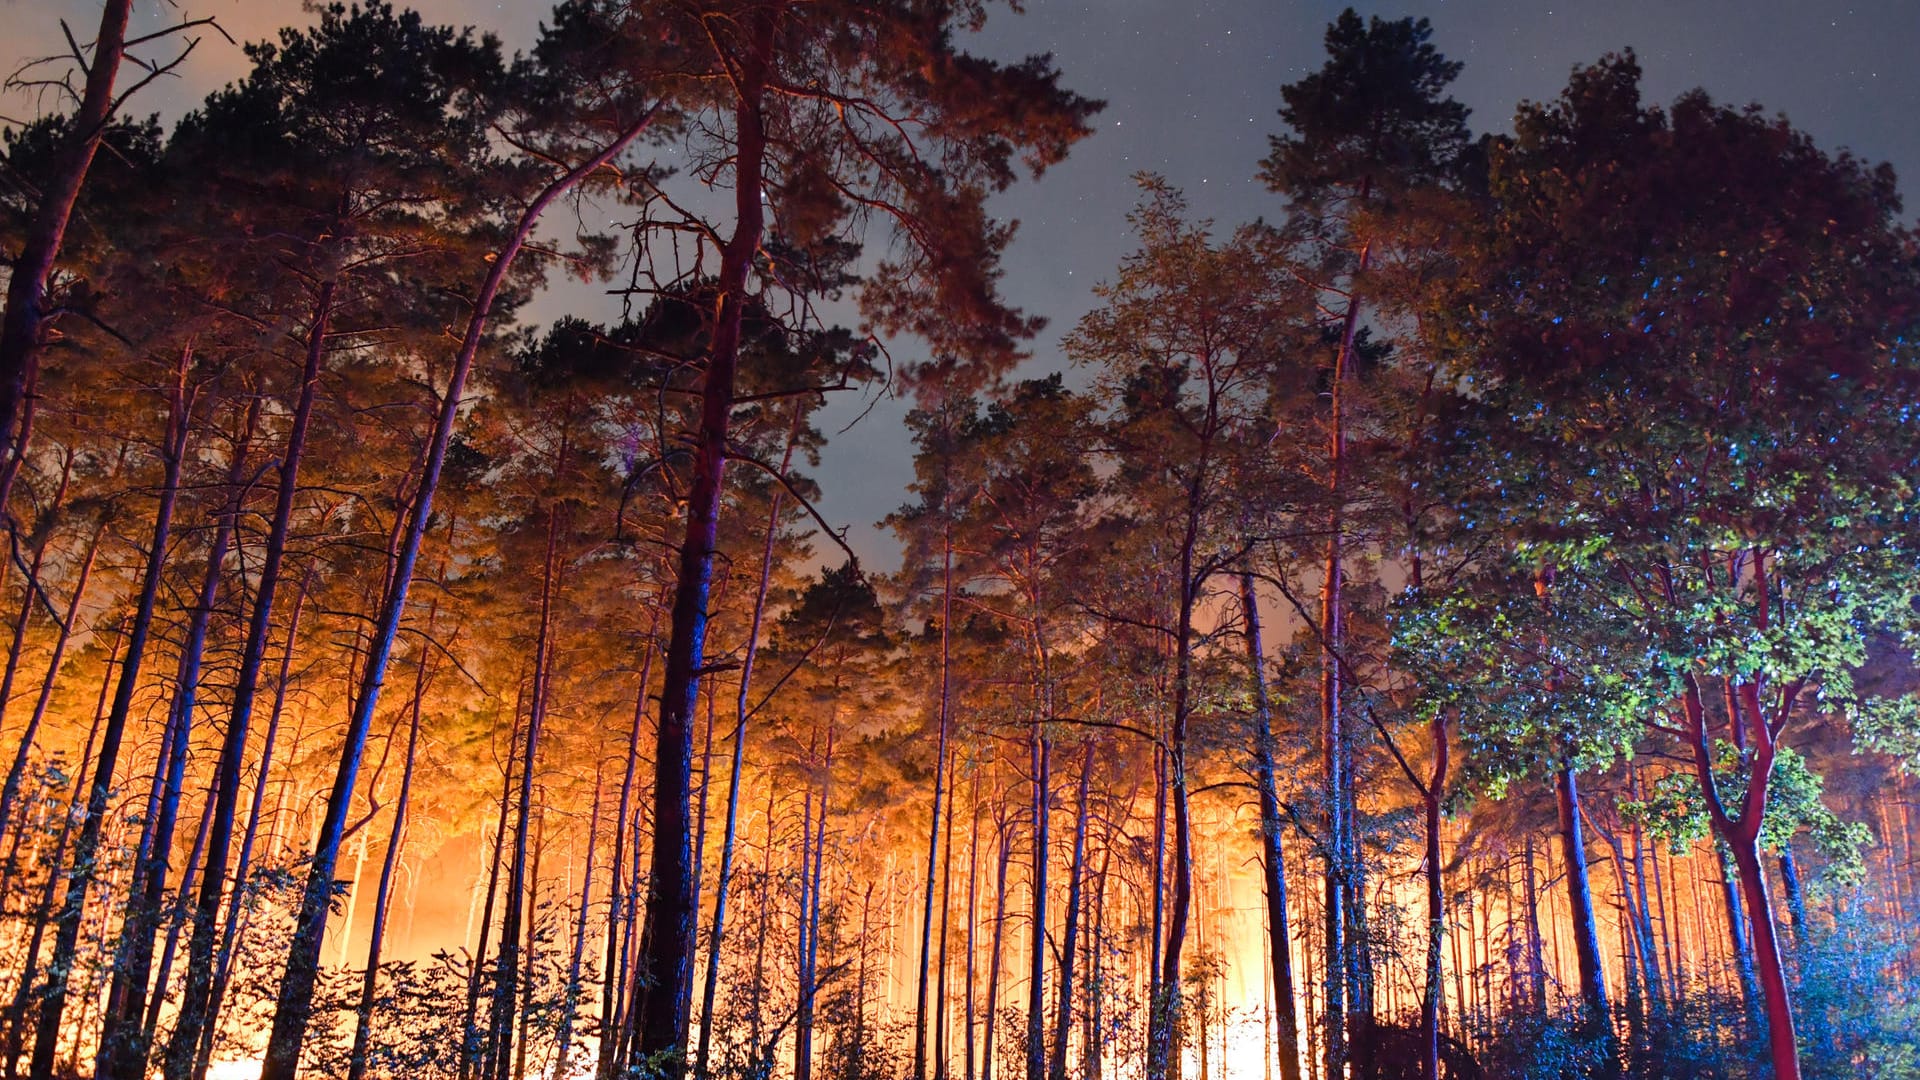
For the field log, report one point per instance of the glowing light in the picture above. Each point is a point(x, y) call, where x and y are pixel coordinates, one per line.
point(243, 1069)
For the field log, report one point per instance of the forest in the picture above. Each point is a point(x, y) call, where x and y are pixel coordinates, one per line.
point(1460, 625)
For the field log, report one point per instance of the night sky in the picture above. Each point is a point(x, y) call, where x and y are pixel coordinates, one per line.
point(1192, 89)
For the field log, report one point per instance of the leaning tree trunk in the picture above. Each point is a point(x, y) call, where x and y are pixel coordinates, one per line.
point(1273, 863)
point(24, 322)
point(370, 979)
point(17, 1010)
point(66, 941)
point(1586, 933)
point(31, 590)
point(243, 865)
point(294, 1004)
point(194, 1002)
point(124, 1049)
point(10, 792)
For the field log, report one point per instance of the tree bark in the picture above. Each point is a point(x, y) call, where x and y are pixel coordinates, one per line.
point(24, 322)
point(666, 967)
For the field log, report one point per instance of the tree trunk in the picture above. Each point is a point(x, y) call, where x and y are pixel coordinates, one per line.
point(10, 792)
point(668, 933)
point(973, 918)
point(43, 912)
point(370, 980)
point(25, 319)
point(86, 848)
point(1436, 902)
point(1781, 1042)
point(991, 1020)
point(243, 865)
point(475, 1051)
point(294, 1005)
point(507, 985)
point(175, 922)
point(1040, 761)
point(1273, 862)
point(614, 974)
point(233, 747)
point(124, 1049)
point(933, 829)
point(1076, 874)
point(946, 913)
point(1796, 900)
point(31, 591)
point(564, 1041)
point(1536, 947)
point(1586, 934)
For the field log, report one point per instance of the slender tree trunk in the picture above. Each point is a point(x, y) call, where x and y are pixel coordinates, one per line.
point(1041, 759)
point(209, 1023)
point(1436, 902)
point(1536, 949)
point(519, 910)
point(24, 323)
point(564, 1042)
point(1076, 875)
point(86, 848)
point(294, 1005)
point(933, 829)
point(31, 590)
point(1273, 861)
point(618, 897)
point(668, 934)
point(811, 849)
point(17, 1010)
point(124, 1050)
point(968, 1061)
point(940, 1053)
point(370, 979)
point(1796, 900)
point(475, 1050)
point(991, 1022)
point(233, 748)
point(10, 793)
point(1586, 934)
point(175, 921)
